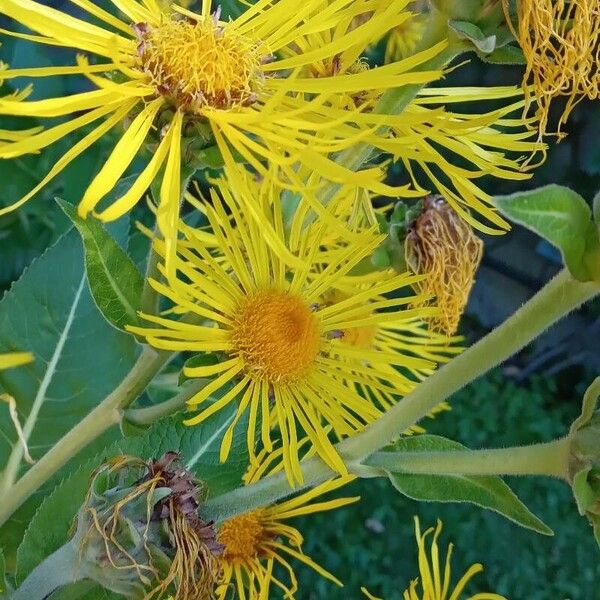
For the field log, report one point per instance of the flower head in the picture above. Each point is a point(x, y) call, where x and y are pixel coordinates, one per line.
point(561, 43)
point(242, 83)
point(434, 581)
point(139, 533)
point(292, 352)
point(257, 542)
point(443, 247)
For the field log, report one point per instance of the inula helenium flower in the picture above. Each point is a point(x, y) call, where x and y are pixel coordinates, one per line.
point(294, 354)
point(259, 543)
point(434, 581)
point(246, 84)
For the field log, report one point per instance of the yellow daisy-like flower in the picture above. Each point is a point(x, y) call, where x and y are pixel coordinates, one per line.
point(451, 150)
point(279, 336)
point(434, 581)
point(257, 542)
point(9, 361)
point(173, 71)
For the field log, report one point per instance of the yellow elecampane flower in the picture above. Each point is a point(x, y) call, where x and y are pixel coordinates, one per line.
point(434, 581)
point(256, 543)
point(169, 70)
point(287, 347)
point(448, 151)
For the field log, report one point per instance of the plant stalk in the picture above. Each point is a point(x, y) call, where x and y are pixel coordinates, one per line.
point(556, 299)
point(104, 416)
point(550, 458)
point(150, 414)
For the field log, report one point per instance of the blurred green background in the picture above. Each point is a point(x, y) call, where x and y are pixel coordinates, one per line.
point(531, 398)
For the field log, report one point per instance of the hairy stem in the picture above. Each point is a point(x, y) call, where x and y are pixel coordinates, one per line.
point(550, 458)
point(104, 416)
point(556, 299)
point(150, 414)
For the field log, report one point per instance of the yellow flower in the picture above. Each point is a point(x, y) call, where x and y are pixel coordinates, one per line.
point(560, 41)
point(15, 359)
point(434, 581)
point(172, 72)
point(257, 542)
point(443, 247)
point(280, 339)
point(450, 150)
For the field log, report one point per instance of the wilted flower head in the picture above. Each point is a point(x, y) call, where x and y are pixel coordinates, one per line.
point(443, 247)
point(139, 533)
point(561, 43)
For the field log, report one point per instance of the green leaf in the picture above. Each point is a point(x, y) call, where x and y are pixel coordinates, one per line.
point(469, 31)
point(198, 445)
point(588, 406)
point(488, 492)
point(505, 55)
point(50, 313)
point(560, 216)
point(114, 280)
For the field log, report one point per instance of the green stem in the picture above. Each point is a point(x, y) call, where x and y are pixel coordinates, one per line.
point(550, 458)
point(556, 299)
point(104, 416)
point(150, 414)
point(60, 568)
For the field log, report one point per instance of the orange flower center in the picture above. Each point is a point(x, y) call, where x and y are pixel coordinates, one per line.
point(277, 336)
point(241, 536)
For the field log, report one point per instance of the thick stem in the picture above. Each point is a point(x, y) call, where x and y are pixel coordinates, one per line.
point(105, 415)
point(60, 568)
point(150, 414)
point(559, 297)
point(550, 459)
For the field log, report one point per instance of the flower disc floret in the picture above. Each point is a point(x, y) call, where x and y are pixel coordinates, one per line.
point(198, 64)
point(276, 335)
point(242, 536)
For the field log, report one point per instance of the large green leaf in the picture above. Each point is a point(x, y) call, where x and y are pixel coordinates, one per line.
point(559, 215)
point(114, 280)
point(79, 358)
point(199, 448)
point(485, 491)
